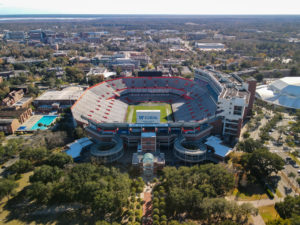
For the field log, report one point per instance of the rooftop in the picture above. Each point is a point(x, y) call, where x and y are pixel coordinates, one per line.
point(8, 113)
point(69, 93)
point(148, 134)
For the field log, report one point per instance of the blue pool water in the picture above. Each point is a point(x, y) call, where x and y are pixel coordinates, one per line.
point(45, 120)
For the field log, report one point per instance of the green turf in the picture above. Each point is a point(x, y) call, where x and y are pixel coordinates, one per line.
point(165, 112)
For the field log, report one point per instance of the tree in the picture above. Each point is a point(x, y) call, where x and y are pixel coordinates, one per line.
point(279, 221)
point(292, 175)
point(74, 74)
point(261, 163)
point(40, 192)
point(78, 132)
point(59, 160)
point(7, 187)
point(46, 174)
point(294, 71)
point(21, 166)
point(249, 145)
point(259, 77)
point(290, 206)
point(34, 154)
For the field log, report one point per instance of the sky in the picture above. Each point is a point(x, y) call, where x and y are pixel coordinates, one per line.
point(202, 7)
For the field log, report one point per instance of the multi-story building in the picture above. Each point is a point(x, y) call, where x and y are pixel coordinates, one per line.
point(12, 118)
point(37, 35)
point(12, 98)
point(233, 96)
point(15, 35)
point(210, 46)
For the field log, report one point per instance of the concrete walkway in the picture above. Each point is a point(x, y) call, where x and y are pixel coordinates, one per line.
point(147, 206)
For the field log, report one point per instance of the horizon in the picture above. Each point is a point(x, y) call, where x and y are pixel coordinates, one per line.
point(156, 7)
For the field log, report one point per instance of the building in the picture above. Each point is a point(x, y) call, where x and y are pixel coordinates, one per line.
point(210, 46)
point(11, 118)
point(176, 41)
point(37, 35)
point(283, 92)
point(96, 71)
point(233, 96)
point(9, 126)
point(213, 103)
point(58, 100)
point(15, 35)
point(148, 159)
point(75, 148)
point(12, 98)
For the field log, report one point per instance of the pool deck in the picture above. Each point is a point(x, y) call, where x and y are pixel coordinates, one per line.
point(31, 121)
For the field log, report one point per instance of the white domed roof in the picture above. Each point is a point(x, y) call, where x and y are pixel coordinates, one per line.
point(284, 92)
point(287, 85)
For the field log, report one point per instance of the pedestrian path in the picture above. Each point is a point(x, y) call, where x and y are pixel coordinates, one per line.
point(147, 206)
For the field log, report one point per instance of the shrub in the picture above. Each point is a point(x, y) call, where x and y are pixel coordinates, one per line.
point(155, 205)
point(155, 217)
point(162, 205)
point(246, 135)
point(133, 191)
point(140, 189)
point(130, 212)
point(138, 219)
point(162, 192)
point(270, 193)
point(155, 200)
point(163, 218)
point(130, 218)
point(136, 213)
point(138, 206)
point(155, 211)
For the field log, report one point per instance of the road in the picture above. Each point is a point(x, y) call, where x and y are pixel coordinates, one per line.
point(8, 164)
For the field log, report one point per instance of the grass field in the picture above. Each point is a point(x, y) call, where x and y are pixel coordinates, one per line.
point(268, 213)
point(165, 112)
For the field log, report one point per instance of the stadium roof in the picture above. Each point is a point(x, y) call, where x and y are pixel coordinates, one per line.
point(284, 92)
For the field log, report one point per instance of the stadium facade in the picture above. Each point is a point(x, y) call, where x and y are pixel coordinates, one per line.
point(213, 103)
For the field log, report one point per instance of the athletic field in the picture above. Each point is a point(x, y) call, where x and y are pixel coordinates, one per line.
point(165, 112)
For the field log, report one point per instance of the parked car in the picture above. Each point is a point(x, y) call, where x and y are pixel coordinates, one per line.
point(295, 166)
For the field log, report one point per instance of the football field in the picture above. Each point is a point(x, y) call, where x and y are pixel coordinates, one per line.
point(165, 112)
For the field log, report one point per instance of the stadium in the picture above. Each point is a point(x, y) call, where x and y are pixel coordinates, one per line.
point(212, 103)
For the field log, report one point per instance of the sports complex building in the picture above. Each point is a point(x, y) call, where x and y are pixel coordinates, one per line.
point(283, 92)
point(117, 114)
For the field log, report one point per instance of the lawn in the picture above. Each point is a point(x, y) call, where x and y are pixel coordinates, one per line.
point(250, 193)
point(23, 182)
point(278, 193)
point(268, 213)
point(165, 112)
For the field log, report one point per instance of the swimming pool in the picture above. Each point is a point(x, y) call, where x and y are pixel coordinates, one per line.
point(45, 121)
